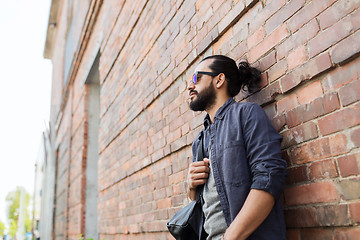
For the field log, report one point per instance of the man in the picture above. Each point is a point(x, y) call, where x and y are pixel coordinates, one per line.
point(242, 172)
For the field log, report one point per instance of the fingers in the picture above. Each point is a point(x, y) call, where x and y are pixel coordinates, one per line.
point(203, 168)
point(205, 162)
point(199, 176)
point(194, 184)
point(199, 169)
point(198, 173)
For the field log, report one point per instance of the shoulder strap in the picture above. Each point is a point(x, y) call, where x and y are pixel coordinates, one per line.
point(200, 157)
point(200, 150)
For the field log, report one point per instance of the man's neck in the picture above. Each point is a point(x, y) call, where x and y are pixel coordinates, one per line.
point(219, 102)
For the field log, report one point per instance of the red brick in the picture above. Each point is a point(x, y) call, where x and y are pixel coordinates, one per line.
point(338, 144)
point(355, 211)
point(161, 215)
point(235, 12)
point(178, 144)
point(319, 107)
point(289, 81)
point(307, 71)
point(164, 203)
point(241, 28)
point(177, 177)
point(349, 165)
point(297, 174)
point(328, 37)
point(307, 13)
point(157, 226)
point(226, 37)
point(261, 15)
point(266, 94)
point(299, 38)
point(319, 192)
point(179, 188)
point(316, 234)
point(333, 215)
point(256, 37)
point(299, 134)
point(346, 49)
point(173, 136)
point(159, 194)
point(342, 76)
point(263, 81)
point(266, 62)
point(215, 5)
point(320, 149)
point(278, 70)
point(199, 4)
point(185, 128)
point(179, 200)
point(297, 57)
point(268, 43)
point(340, 120)
point(283, 14)
point(337, 11)
point(239, 51)
point(219, 13)
point(355, 19)
point(204, 44)
point(293, 234)
point(323, 169)
point(352, 233)
point(279, 122)
point(350, 93)
point(177, 123)
point(240, 35)
point(310, 92)
point(355, 137)
point(301, 217)
point(190, 12)
point(286, 104)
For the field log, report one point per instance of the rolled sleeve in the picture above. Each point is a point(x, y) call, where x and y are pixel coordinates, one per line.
point(262, 142)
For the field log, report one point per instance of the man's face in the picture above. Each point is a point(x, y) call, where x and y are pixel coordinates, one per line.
point(202, 93)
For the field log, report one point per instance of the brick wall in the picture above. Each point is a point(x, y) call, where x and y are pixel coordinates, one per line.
point(308, 52)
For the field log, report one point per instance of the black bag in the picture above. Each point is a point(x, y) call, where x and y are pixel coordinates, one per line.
point(186, 223)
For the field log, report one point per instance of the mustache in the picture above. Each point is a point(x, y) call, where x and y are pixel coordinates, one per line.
point(192, 91)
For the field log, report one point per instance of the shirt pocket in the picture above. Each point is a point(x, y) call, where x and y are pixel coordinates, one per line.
point(233, 163)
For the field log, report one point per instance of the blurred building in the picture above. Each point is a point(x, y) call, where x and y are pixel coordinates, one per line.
point(119, 144)
point(43, 197)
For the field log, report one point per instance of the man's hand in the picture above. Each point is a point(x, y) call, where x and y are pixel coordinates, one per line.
point(198, 175)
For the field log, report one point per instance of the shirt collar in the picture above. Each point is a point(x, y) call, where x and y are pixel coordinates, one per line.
point(219, 113)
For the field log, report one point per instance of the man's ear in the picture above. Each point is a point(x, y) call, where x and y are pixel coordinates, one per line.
point(220, 80)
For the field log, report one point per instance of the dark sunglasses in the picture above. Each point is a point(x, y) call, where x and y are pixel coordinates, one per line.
point(195, 76)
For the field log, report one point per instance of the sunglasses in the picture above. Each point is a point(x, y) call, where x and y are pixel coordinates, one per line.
point(197, 73)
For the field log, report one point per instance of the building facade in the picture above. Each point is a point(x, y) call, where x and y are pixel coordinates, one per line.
point(121, 130)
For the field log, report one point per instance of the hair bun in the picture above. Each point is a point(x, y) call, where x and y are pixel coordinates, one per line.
point(249, 76)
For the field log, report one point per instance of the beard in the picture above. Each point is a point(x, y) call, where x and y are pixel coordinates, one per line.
point(204, 99)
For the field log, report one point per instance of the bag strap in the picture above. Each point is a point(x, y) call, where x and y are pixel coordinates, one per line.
point(200, 157)
point(200, 150)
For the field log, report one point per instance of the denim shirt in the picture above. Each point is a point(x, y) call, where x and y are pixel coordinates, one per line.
point(246, 155)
